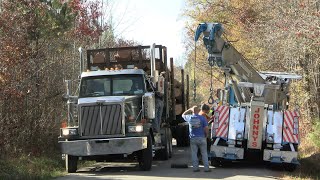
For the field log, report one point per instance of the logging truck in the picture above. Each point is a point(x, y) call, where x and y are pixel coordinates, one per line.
point(111, 116)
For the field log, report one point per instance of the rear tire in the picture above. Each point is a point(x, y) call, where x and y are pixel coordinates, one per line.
point(145, 156)
point(183, 139)
point(165, 153)
point(216, 162)
point(71, 163)
point(170, 143)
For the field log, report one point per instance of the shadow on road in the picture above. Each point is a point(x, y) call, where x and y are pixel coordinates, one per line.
point(162, 169)
point(309, 168)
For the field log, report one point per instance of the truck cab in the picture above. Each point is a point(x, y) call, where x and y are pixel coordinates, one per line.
point(111, 118)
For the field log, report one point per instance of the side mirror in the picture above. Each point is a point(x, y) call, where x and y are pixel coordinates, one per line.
point(65, 97)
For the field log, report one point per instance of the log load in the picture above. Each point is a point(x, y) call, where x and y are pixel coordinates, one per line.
point(178, 89)
point(179, 109)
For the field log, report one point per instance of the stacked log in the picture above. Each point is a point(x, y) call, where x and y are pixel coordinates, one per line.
point(178, 89)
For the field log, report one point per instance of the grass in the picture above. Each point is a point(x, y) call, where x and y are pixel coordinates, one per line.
point(26, 167)
point(30, 168)
point(309, 157)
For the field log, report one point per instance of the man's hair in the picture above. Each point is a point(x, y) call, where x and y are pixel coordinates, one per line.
point(205, 107)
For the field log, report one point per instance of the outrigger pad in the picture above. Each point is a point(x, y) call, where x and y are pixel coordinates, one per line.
point(182, 165)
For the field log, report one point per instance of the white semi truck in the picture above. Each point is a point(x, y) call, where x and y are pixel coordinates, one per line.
point(111, 116)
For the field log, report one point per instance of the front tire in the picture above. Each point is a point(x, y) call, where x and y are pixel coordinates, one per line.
point(71, 163)
point(145, 156)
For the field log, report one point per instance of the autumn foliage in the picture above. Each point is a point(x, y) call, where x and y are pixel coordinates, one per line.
point(273, 35)
point(38, 51)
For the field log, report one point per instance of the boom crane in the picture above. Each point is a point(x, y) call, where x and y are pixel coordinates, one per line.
point(248, 80)
point(254, 120)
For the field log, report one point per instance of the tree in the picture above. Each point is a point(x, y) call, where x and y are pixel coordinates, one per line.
point(274, 36)
point(37, 49)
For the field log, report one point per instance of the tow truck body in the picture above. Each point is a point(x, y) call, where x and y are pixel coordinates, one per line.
point(252, 120)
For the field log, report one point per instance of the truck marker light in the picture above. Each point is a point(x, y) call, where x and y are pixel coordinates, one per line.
point(131, 118)
point(143, 121)
point(63, 124)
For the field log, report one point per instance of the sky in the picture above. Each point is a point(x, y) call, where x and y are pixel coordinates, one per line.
point(151, 21)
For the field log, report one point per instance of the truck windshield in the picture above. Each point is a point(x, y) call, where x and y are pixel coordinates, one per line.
point(120, 85)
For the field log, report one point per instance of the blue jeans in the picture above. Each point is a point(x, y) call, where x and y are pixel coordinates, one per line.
point(159, 110)
point(195, 144)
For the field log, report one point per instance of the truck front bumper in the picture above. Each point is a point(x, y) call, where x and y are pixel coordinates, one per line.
point(231, 153)
point(93, 147)
point(280, 156)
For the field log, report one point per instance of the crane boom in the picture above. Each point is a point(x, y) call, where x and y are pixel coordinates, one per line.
point(223, 54)
point(245, 79)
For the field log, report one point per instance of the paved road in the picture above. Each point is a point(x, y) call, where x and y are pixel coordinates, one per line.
point(162, 170)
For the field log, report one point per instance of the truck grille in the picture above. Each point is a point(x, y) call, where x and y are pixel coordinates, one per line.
point(101, 120)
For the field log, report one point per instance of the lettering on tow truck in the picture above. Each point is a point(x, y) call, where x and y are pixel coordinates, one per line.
point(255, 129)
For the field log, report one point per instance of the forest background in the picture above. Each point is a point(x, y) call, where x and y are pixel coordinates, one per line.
point(39, 41)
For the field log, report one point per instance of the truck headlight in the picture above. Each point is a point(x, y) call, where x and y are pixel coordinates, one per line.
point(239, 136)
point(137, 128)
point(69, 131)
point(270, 139)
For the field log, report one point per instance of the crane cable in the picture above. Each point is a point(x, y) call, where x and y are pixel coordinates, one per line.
point(211, 100)
point(194, 72)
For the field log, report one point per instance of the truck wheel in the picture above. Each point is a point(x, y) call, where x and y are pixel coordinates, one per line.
point(289, 167)
point(165, 153)
point(215, 162)
point(170, 144)
point(145, 156)
point(71, 163)
point(183, 136)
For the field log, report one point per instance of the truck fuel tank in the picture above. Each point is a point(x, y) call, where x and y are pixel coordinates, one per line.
point(149, 105)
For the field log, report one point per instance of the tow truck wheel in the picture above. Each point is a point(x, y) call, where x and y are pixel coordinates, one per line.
point(290, 167)
point(71, 163)
point(215, 162)
point(145, 156)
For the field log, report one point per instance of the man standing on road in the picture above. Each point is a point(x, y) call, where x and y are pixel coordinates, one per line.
point(198, 128)
point(204, 111)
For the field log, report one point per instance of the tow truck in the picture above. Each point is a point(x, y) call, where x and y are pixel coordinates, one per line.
point(253, 120)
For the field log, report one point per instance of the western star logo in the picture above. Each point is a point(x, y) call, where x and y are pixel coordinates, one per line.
point(255, 134)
